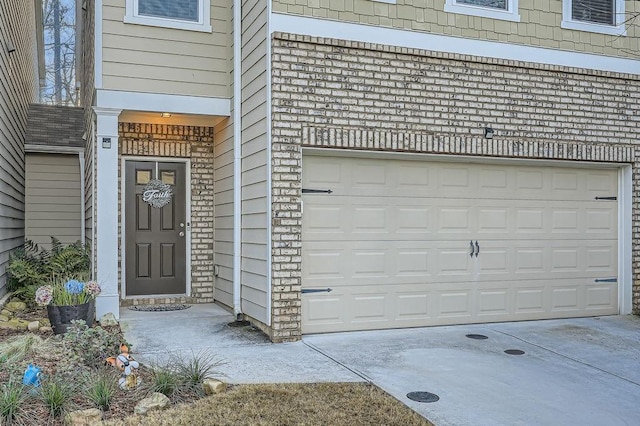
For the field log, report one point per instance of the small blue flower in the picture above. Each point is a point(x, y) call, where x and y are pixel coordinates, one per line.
point(74, 287)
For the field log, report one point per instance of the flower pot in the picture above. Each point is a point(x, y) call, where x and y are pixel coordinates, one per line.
point(61, 316)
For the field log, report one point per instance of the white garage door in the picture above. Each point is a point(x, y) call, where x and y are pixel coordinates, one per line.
point(406, 243)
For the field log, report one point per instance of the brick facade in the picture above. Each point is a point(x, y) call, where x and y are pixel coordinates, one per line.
point(196, 144)
point(329, 93)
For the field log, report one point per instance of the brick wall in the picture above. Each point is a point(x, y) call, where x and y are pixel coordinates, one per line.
point(195, 143)
point(337, 94)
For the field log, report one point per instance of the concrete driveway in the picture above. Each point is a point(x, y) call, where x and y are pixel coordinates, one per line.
point(573, 372)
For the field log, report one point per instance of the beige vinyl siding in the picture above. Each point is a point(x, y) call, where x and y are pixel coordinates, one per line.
point(53, 199)
point(539, 24)
point(254, 274)
point(18, 88)
point(162, 60)
point(223, 211)
point(88, 189)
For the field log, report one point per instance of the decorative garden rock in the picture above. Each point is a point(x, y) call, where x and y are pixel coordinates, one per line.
point(46, 329)
point(16, 306)
point(89, 417)
point(33, 326)
point(44, 322)
point(6, 313)
point(14, 324)
point(213, 386)
point(4, 318)
point(108, 320)
point(156, 401)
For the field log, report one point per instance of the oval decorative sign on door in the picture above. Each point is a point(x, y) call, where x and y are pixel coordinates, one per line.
point(157, 193)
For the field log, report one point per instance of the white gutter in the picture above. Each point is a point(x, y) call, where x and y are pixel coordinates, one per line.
point(237, 155)
point(83, 234)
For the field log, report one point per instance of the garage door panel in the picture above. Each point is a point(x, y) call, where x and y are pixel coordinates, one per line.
point(394, 240)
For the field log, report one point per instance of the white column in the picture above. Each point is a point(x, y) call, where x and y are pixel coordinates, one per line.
point(106, 225)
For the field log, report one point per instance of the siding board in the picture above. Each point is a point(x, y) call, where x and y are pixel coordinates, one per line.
point(53, 198)
point(18, 88)
point(254, 164)
point(124, 70)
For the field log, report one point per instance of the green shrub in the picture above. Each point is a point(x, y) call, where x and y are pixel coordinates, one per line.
point(90, 346)
point(100, 387)
point(31, 266)
point(71, 261)
point(12, 397)
point(164, 380)
point(26, 267)
point(56, 393)
point(194, 369)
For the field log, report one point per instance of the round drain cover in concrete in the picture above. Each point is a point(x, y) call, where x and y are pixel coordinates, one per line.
point(477, 336)
point(158, 308)
point(423, 396)
point(514, 352)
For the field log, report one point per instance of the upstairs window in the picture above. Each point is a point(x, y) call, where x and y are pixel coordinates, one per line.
point(492, 4)
point(506, 10)
point(180, 14)
point(600, 16)
point(185, 10)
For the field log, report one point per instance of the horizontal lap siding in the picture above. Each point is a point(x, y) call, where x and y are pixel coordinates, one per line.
point(223, 211)
point(18, 88)
point(53, 199)
point(254, 161)
point(163, 60)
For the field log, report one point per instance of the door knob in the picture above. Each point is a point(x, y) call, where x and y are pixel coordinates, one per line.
point(181, 234)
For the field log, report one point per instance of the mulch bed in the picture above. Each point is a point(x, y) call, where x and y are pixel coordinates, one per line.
point(35, 412)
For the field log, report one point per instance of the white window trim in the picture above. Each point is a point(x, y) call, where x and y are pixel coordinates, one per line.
point(618, 29)
point(204, 24)
point(385, 1)
point(511, 14)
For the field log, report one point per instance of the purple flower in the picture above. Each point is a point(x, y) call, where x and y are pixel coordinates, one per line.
point(74, 287)
point(92, 289)
point(44, 295)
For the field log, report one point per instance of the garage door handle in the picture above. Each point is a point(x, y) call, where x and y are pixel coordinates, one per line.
point(477, 249)
point(472, 250)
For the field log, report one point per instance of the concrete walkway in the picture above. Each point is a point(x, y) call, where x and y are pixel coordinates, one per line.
point(248, 355)
point(573, 372)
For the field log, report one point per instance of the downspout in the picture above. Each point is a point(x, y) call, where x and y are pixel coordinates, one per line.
point(83, 234)
point(237, 156)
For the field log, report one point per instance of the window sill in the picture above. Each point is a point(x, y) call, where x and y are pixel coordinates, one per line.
point(619, 30)
point(167, 23)
point(482, 12)
point(385, 1)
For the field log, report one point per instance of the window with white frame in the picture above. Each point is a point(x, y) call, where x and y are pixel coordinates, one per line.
point(496, 9)
point(600, 16)
point(180, 14)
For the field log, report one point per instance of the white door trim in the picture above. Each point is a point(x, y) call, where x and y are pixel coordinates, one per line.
point(123, 265)
point(625, 208)
point(625, 191)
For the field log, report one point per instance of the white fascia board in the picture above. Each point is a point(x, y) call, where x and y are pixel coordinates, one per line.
point(136, 101)
point(440, 43)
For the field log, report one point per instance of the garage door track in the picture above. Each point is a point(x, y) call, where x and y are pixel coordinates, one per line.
point(571, 372)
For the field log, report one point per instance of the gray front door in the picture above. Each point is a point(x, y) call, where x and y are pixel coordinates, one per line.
point(155, 236)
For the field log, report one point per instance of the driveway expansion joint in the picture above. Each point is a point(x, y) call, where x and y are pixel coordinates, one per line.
point(570, 358)
point(354, 371)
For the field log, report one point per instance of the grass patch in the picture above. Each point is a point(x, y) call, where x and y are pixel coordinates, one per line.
point(335, 404)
